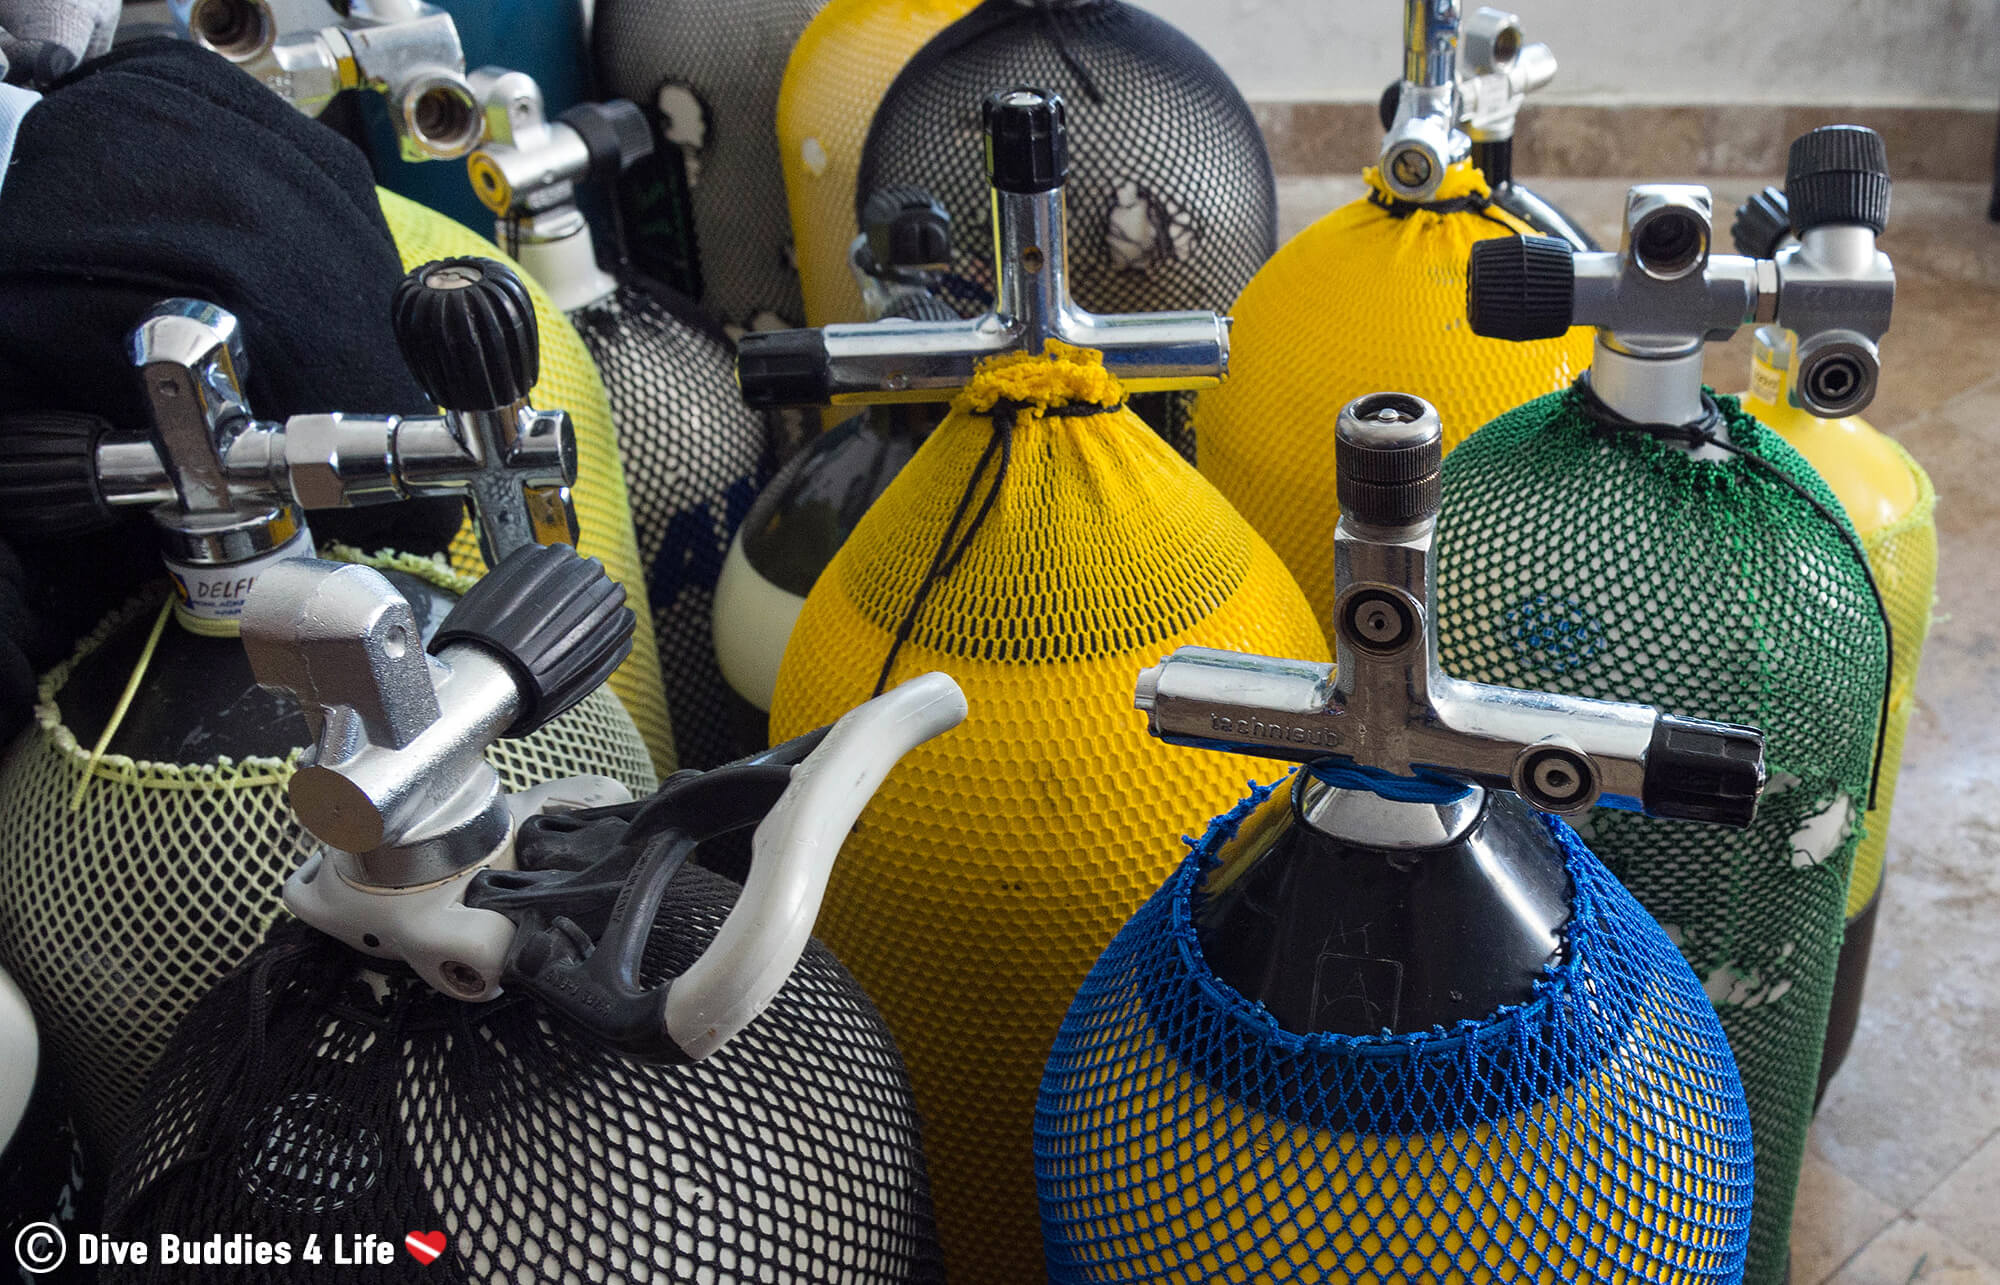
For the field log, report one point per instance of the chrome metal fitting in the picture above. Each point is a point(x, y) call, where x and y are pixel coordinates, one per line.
point(1423, 141)
point(1388, 706)
point(1497, 70)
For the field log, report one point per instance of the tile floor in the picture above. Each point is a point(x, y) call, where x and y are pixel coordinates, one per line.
point(1902, 1185)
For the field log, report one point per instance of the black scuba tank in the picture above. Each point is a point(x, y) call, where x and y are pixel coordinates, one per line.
point(802, 518)
point(142, 827)
point(695, 455)
point(661, 1074)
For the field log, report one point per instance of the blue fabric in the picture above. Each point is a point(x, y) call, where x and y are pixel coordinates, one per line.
point(1619, 1052)
point(15, 102)
point(1421, 788)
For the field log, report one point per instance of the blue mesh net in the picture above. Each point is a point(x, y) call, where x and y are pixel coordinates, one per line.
point(1597, 1132)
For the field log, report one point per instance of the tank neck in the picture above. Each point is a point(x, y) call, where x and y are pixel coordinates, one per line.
point(563, 262)
point(1652, 390)
point(1335, 916)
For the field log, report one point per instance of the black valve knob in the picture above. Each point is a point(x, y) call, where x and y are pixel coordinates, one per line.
point(48, 476)
point(1838, 174)
point(1702, 771)
point(1027, 144)
point(615, 133)
point(776, 368)
point(1390, 103)
point(1521, 287)
point(1388, 453)
point(560, 624)
point(1762, 224)
point(907, 227)
point(466, 328)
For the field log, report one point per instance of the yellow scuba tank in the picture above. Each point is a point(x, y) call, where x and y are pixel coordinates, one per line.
point(1040, 546)
point(839, 70)
point(1890, 500)
point(1391, 1021)
point(568, 379)
point(1370, 296)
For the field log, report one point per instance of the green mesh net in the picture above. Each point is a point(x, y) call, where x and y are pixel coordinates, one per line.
point(1583, 558)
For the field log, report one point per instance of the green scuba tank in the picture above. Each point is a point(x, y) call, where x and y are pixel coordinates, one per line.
point(801, 519)
point(142, 827)
point(1637, 536)
point(694, 453)
point(1893, 506)
point(1386, 1021)
point(585, 1026)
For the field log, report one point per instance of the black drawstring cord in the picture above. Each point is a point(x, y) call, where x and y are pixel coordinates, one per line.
point(1470, 203)
point(952, 546)
point(1087, 82)
point(1708, 431)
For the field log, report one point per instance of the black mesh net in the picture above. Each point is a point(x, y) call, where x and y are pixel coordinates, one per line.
point(707, 213)
point(695, 458)
point(1172, 203)
point(305, 1097)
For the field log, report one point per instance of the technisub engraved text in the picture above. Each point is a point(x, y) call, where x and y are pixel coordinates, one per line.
point(1283, 733)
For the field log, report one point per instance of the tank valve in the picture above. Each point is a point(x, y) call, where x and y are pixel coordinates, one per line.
point(1387, 707)
point(1026, 144)
point(1664, 294)
point(420, 857)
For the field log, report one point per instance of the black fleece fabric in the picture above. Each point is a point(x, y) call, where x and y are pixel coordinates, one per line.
point(163, 170)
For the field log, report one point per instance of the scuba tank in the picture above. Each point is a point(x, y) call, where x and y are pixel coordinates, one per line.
point(1176, 205)
point(409, 52)
point(43, 1190)
point(1040, 545)
point(706, 214)
point(1889, 499)
point(814, 503)
point(1391, 1019)
point(842, 65)
point(142, 828)
point(1372, 296)
point(523, 1025)
point(1637, 536)
point(1495, 72)
point(694, 454)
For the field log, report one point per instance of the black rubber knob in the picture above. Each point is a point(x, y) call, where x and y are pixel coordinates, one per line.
point(1762, 224)
point(907, 227)
point(1838, 174)
point(1391, 101)
point(1521, 287)
point(466, 328)
point(615, 133)
point(48, 476)
point(777, 368)
point(1702, 771)
point(1027, 144)
point(1388, 456)
point(555, 618)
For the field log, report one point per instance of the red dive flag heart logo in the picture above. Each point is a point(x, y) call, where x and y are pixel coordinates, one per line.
point(424, 1246)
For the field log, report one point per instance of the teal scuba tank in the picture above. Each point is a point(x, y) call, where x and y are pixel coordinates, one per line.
point(1391, 1019)
point(1637, 535)
point(801, 519)
point(507, 1021)
point(695, 455)
point(142, 827)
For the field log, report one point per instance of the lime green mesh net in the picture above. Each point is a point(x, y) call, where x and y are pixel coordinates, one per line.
point(1579, 558)
point(118, 914)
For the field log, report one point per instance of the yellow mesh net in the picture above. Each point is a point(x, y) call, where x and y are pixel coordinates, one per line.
point(1362, 301)
point(1903, 556)
point(997, 861)
point(569, 381)
point(116, 917)
point(843, 64)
